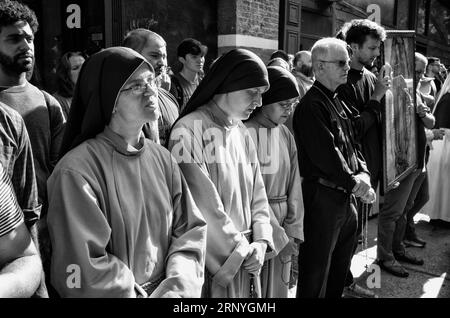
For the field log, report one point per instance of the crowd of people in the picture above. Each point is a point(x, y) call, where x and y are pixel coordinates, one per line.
point(240, 181)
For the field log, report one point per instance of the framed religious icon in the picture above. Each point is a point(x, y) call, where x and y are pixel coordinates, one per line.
point(399, 121)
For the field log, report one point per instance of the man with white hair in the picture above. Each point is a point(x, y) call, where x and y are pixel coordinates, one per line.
point(419, 193)
point(335, 174)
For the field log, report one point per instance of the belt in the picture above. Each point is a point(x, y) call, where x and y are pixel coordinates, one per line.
point(279, 199)
point(330, 185)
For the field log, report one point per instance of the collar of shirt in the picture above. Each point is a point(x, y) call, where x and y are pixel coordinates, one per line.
point(219, 116)
point(264, 121)
point(331, 95)
point(14, 89)
point(121, 146)
point(354, 71)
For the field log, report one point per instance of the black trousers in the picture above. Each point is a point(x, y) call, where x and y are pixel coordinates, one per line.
point(330, 225)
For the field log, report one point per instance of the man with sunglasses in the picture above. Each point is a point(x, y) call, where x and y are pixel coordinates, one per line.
point(334, 174)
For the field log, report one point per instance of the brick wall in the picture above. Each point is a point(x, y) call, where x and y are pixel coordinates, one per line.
point(258, 19)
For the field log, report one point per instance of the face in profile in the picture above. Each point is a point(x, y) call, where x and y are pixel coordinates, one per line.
point(156, 54)
point(242, 103)
point(138, 99)
point(368, 52)
point(336, 69)
point(75, 61)
point(279, 112)
point(419, 70)
point(193, 63)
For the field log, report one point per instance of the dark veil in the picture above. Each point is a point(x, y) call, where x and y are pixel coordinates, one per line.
point(236, 70)
point(283, 86)
point(101, 78)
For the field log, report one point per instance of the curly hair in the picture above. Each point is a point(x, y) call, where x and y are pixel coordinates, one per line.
point(65, 85)
point(13, 11)
point(356, 31)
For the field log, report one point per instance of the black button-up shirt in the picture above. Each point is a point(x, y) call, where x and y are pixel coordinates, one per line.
point(325, 139)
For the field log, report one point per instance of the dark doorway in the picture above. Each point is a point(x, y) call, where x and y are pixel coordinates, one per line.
point(290, 25)
point(83, 26)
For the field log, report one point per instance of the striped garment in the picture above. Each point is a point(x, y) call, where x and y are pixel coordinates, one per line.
point(10, 213)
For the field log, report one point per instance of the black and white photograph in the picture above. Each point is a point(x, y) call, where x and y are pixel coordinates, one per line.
point(224, 156)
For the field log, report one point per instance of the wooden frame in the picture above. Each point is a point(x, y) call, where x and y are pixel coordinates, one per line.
point(399, 120)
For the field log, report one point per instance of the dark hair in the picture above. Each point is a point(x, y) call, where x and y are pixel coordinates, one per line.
point(13, 11)
point(281, 54)
point(356, 31)
point(190, 46)
point(65, 85)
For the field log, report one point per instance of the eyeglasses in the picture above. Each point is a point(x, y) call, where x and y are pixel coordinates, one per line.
point(340, 63)
point(288, 106)
point(140, 88)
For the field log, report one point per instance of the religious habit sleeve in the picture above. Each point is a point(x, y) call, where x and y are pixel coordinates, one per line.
point(81, 265)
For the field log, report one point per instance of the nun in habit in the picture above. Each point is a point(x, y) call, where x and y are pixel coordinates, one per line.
point(119, 207)
point(219, 160)
point(277, 154)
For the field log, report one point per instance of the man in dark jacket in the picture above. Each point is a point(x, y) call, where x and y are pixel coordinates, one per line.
point(335, 174)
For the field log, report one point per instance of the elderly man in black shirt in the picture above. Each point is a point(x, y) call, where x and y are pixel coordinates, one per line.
point(334, 173)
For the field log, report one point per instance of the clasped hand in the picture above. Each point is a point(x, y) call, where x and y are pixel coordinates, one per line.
point(363, 189)
point(255, 257)
point(291, 249)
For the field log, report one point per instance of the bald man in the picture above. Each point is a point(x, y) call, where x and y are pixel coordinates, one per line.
point(305, 78)
point(303, 71)
point(334, 175)
point(278, 61)
point(153, 47)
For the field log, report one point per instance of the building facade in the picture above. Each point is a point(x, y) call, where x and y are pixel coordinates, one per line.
point(262, 26)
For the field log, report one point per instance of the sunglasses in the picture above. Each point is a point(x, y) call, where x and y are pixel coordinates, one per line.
point(340, 63)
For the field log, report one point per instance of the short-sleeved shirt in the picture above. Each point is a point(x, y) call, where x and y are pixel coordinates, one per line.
point(16, 158)
point(182, 89)
point(11, 215)
point(45, 123)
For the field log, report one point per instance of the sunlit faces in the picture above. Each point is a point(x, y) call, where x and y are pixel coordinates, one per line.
point(193, 63)
point(138, 100)
point(368, 52)
point(279, 112)
point(335, 67)
point(17, 47)
point(240, 104)
point(76, 61)
point(156, 54)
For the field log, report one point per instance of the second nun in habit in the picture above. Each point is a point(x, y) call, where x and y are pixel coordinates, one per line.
point(277, 154)
point(219, 161)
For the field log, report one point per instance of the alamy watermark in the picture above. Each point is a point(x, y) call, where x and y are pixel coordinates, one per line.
point(212, 146)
